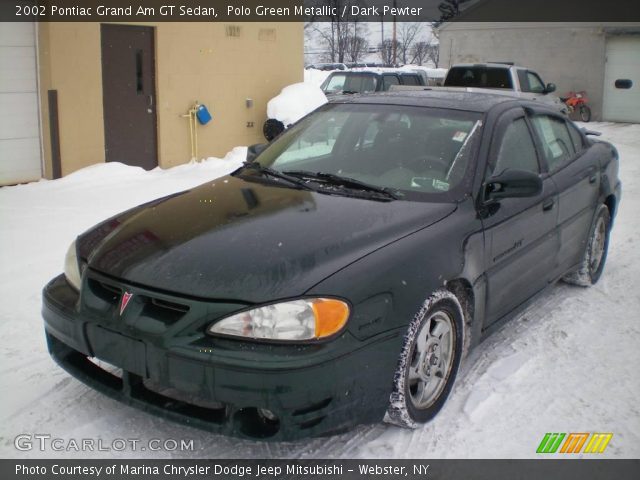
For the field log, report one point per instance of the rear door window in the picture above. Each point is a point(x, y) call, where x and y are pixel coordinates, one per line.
point(576, 137)
point(410, 80)
point(557, 144)
point(389, 80)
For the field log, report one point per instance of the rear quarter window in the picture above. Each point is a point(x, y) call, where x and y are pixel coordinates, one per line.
point(479, 77)
point(576, 137)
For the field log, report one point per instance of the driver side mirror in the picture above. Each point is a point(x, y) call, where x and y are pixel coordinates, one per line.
point(551, 87)
point(512, 184)
point(254, 150)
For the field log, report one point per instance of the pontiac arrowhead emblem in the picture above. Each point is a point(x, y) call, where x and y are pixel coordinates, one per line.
point(126, 296)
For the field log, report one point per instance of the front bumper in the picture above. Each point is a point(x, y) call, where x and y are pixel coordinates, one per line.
point(170, 368)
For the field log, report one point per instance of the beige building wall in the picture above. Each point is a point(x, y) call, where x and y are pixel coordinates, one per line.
point(194, 61)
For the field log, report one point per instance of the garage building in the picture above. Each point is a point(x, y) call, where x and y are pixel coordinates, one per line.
point(602, 59)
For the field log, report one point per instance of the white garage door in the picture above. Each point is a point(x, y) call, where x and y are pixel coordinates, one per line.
point(19, 117)
point(622, 80)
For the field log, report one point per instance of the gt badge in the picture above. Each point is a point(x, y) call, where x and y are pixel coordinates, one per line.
point(126, 296)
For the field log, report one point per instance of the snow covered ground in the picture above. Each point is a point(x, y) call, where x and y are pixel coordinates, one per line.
point(568, 364)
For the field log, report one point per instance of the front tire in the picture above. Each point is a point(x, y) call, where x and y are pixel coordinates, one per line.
point(428, 362)
point(595, 254)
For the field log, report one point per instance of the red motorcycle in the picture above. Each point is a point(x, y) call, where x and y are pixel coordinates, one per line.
point(576, 102)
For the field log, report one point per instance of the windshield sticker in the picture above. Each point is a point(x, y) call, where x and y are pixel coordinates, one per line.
point(440, 185)
point(459, 136)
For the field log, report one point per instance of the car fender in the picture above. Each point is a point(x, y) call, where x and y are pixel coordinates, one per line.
point(386, 287)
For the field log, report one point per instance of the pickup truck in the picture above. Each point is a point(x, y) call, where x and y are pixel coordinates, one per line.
point(519, 81)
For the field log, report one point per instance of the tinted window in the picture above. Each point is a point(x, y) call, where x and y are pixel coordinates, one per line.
point(556, 142)
point(343, 82)
point(410, 80)
point(390, 80)
point(516, 151)
point(480, 77)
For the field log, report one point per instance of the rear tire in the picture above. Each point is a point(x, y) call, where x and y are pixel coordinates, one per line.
point(585, 113)
point(595, 254)
point(428, 362)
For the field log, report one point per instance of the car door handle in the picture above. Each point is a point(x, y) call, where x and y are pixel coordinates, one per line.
point(548, 204)
point(592, 178)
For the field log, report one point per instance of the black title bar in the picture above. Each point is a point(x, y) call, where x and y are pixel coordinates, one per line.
point(319, 10)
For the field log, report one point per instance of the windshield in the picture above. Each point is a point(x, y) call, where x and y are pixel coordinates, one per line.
point(420, 153)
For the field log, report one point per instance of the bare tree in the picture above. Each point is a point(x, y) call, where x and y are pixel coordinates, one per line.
point(407, 34)
point(385, 50)
point(419, 52)
point(426, 48)
point(356, 47)
point(433, 54)
point(335, 32)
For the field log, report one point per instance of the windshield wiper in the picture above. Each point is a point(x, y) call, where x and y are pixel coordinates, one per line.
point(276, 174)
point(345, 182)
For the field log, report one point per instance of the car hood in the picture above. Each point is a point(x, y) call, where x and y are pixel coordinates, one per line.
point(235, 239)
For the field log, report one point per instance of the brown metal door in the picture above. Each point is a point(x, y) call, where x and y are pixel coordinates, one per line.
point(129, 95)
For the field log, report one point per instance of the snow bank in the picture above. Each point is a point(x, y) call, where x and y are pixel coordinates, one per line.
point(294, 102)
point(316, 77)
point(438, 73)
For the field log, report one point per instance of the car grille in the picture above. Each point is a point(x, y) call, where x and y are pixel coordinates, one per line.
point(104, 297)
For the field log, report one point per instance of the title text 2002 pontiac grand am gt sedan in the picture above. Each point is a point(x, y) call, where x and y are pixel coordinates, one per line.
point(340, 275)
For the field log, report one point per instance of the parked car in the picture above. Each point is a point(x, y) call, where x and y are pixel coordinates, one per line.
point(337, 83)
point(366, 81)
point(341, 275)
point(521, 81)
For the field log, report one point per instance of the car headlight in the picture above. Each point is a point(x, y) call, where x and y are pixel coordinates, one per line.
point(296, 320)
point(72, 267)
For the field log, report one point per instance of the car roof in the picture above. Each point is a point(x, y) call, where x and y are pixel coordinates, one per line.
point(504, 66)
point(469, 101)
point(367, 71)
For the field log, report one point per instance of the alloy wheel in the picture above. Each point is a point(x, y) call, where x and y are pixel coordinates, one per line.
point(431, 359)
